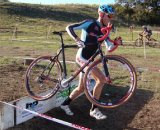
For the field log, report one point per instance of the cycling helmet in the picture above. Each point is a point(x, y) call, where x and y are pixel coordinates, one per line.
point(106, 9)
point(144, 27)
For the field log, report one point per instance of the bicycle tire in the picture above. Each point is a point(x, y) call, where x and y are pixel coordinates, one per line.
point(152, 42)
point(138, 42)
point(42, 78)
point(122, 88)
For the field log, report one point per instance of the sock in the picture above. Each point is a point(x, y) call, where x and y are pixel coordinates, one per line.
point(93, 107)
point(67, 101)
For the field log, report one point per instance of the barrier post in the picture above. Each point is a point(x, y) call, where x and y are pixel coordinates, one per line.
point(144, 46)
point(48, 31)
point(14, 35)
point(131, 30)
point(132, 35)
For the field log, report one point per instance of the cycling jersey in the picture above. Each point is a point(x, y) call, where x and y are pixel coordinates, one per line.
point(91, 30)
point(147, 32)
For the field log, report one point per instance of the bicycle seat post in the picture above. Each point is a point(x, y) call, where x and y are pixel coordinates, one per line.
point(63, 56)
point(62, 48)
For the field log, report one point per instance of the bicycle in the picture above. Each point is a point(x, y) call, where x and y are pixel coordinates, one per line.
point(45, 77)
point(149, 41)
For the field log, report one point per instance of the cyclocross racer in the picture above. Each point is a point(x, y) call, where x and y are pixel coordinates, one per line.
point(90, 31)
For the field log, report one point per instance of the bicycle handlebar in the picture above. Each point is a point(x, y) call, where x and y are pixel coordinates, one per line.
point(102, 38)
point(105, 31)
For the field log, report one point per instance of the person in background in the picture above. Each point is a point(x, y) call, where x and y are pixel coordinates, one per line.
point(146, 32)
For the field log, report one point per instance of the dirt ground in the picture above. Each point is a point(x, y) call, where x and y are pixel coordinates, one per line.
point(140, 113)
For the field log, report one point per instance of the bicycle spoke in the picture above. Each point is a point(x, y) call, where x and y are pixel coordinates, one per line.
point(119, 90)
point(43, 78)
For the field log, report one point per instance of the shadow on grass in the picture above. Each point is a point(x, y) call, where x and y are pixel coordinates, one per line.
point(118, 118)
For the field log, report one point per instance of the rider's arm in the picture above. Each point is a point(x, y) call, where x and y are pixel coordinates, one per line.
point(78, 26)
point(108, 42)
point(141, 33)
point(108, 39)
point(106, 32)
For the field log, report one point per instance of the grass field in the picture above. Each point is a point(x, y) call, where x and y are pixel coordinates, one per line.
point(34, 38)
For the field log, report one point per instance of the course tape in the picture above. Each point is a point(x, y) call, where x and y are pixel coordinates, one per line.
point(48, 117)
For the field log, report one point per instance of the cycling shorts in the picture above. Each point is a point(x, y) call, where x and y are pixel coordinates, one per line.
point(84, 54)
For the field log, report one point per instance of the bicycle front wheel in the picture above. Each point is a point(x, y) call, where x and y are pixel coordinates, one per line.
point(43, 77)
point(123, 82)
point(138, 42)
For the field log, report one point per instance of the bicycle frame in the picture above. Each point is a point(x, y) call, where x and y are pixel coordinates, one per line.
point(44, 76)
point(73, 76)
point(144, 37)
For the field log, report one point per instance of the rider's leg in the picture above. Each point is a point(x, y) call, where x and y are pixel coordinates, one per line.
point(74, 94)
point(100, 81)
point(78, 90)
point(80, 61)
point(148, 37)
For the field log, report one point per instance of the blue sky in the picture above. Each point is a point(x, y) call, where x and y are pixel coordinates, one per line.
point(65, 1)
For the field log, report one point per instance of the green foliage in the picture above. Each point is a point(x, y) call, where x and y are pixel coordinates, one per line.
point(138, 15)
point(4, 0)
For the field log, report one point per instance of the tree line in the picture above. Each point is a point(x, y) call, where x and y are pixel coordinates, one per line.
point(146, 12)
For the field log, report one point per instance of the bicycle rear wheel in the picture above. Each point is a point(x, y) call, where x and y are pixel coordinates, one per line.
point(138, 42)
point(122, 87)
point(152, 42)
point(42, 77)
